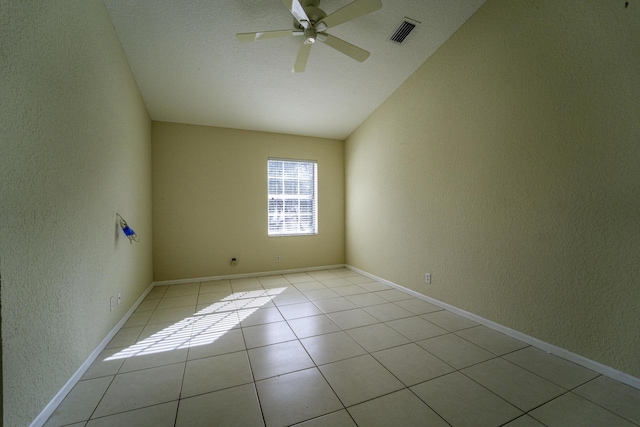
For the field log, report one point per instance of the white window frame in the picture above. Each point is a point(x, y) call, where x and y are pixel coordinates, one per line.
point(290, 211)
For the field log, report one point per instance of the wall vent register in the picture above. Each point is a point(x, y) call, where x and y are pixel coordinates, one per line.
point(403, 30)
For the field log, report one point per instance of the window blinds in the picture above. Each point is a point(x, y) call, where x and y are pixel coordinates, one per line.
point(292, 194)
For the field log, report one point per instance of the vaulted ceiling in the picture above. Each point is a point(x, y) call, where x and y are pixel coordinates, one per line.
point(191, 68)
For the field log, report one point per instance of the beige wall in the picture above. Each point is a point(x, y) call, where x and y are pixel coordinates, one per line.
point(210, 202)
point(508, 166)
point(75, 142)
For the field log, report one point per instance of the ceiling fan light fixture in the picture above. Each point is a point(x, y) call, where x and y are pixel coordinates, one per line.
point(310, 36)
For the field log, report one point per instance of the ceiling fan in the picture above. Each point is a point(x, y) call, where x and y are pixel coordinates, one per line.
point(311, 22)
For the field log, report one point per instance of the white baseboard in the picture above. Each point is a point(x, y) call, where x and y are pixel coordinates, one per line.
point(59, 397)
point(542, 345)
point(245, 275)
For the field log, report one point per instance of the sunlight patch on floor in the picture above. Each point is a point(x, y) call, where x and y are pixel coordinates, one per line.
point(204, 327)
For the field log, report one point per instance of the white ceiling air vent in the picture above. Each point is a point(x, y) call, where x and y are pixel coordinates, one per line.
point(403, 30)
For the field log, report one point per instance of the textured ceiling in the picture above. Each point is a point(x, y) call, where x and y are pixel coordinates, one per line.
point(190, 67)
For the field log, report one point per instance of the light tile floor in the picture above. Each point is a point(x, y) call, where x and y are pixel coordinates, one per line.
point(328, 348)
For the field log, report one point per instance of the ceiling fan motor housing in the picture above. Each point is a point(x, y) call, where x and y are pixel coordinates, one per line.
point(310, 3)
point(314, 14)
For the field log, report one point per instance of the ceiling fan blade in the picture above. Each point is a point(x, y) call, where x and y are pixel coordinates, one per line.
point(264, 35)
point(351, 11)
point(344, 47)
point(302, 58)
point(297, 11)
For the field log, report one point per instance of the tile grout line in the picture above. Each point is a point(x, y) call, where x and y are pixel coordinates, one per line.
point(253, 377)
point(184, 371)
point(596, 403)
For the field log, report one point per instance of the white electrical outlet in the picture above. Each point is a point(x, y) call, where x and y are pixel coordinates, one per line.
point(427, 278)
point(277, 258)
point(112, 303)
point(119, 298)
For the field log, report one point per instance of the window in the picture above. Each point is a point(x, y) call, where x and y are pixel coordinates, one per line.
point(293, 197)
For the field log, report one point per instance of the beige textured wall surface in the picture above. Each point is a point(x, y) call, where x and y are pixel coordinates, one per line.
point(210, 202)
point(508, 166)
point(76, 149)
